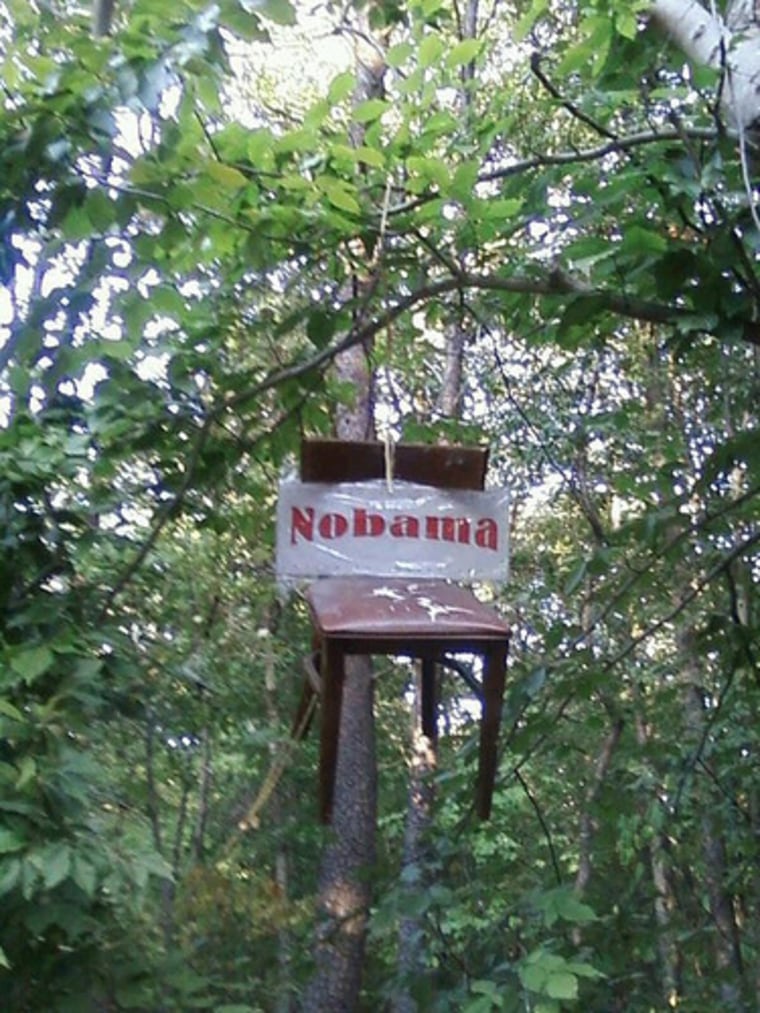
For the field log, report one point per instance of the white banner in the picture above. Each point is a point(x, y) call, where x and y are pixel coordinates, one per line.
point(363, 528)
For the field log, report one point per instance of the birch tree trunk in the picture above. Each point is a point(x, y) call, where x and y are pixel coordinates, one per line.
point(731, 45)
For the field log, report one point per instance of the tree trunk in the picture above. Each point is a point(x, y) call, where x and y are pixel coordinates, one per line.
point(280, 873)
point(594, 787)
point(422, 767)
point(689, 670)
point(450, 400)
point(731, 45)
point(344, 884)
point(726, 944)
point(205, 782)
point(664, 898)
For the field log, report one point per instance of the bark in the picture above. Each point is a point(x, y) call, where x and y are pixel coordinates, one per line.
point(726, 944)
point(664, 897)
point(150, 776)
point(731, 45)
point(422, 767)
point(102, 17)
point(352, 368)
point(601, 767)
point(688, 668)
point(345, 888)
point(716, 874)
point(754, 901)
point(450, 401)
point(284, 940)
point(204, 796)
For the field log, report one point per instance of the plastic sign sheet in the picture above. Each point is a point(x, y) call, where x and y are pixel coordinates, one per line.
point(369, 529)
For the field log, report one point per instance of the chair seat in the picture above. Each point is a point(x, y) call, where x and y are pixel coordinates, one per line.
point(396, 612)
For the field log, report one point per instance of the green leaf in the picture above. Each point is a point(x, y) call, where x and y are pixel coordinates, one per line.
point(341, 87)
point(370, 109)
point(535, 682)
point(533, 977)
point(573, 910)
point(10, 841)
point(339, 195)
point(485, 987)
point(504, 208)
point(281, 12)
point(27, 770)
point(463, 182)
point(576, 577)
point(370, 156)
point(589, 54)
point(576, 316)
point(101, 210)
point(84, 875)
point(640, 240)
point(464, 52)
point(88, 668)
point(167, 300)
point(430, 50)
point(483, 1004)
point(4, 962)
point(56, 865)
point(31, 663)
point(562, 985)
point(583, 970)
point(626, 24)
point(9, 877)
point(317, 114)
point(259, 148)
point(298, 140)
point(398, 55)
point(226, 175)
point(320, 327)
point(529, 18)
point(432, 170)
point(10, 711)
point(245, 24)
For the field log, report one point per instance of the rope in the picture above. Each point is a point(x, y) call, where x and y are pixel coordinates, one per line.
point(390, 449)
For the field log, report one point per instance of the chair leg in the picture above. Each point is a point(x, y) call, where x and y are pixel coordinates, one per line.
point(429, 700)
point(332, 671)
point(494, 674)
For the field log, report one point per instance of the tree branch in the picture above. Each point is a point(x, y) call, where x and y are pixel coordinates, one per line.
point(544, 826)
point(571, 107)
point(695, 590)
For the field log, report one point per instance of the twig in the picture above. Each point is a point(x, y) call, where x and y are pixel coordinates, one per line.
point(544, 826)
point(561, 158)
point(696, 756)
point(572, 108)
point(686, 599)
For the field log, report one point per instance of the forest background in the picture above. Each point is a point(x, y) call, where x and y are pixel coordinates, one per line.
point(537, 223)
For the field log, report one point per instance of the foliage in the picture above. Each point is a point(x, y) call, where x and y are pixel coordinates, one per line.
point(180, 264)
